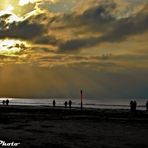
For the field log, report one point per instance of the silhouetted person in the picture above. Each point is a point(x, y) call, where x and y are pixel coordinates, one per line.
point(132, 106)
point(65, 103)
point(54, 103)
point(135, 105)
point(4, 102)
point(147, 106)
point(70, 103)
point(7, 102)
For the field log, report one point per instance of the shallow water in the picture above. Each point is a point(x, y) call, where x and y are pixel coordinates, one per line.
point(88, 103)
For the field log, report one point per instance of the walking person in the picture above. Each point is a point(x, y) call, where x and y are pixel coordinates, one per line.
point(132, 106)
point(4, 102)
point(147, 106)
point(70, 103)
point(7, 102)
point(135, 106)
point(54, 103)
point(65, 103)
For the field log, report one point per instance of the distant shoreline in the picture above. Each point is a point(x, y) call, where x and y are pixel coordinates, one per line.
point(88, 103)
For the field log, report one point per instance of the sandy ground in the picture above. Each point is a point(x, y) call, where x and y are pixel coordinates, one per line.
point(44, 127)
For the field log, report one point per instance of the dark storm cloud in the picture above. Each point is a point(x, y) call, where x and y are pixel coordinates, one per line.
point(43, 49)
point(127, 27)
point(46, 40)
point(21, 30)
point(33, 28)
point(100, 19)
point(19, 46)
point(3, 22)
point(95, 18)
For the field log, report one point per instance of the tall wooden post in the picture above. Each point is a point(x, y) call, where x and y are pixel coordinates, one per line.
point(81, 99)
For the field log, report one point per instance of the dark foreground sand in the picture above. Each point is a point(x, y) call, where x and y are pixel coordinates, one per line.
point(45, 127)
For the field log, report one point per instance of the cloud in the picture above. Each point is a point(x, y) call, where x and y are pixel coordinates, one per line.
point(46, 40)
point(20, 30)
point(97, 22)
point(127, 27)
point(110, 28)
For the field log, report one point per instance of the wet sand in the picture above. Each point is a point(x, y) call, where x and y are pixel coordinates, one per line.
point(48, 127)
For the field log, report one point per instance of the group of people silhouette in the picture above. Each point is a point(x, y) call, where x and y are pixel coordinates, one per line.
point(133, 106)
point(70, 103)
point(65, 103)
point(6, 102)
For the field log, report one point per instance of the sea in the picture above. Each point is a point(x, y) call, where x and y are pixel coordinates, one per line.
point(87, 103)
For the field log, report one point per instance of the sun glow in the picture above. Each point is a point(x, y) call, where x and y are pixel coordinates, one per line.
point(25, 2)
point(13, 17)
point(11, 46)
point(8, 10)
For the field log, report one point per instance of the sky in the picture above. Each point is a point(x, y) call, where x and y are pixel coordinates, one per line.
point(55, 48)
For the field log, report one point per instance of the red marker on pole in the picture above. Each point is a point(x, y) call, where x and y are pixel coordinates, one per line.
point(81, 99)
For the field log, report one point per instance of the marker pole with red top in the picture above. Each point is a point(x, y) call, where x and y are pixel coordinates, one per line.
point(81, 99)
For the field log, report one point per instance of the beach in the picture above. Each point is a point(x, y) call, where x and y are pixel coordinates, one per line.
point(49, 127)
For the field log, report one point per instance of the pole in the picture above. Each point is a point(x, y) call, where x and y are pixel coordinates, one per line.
point(81, 99)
